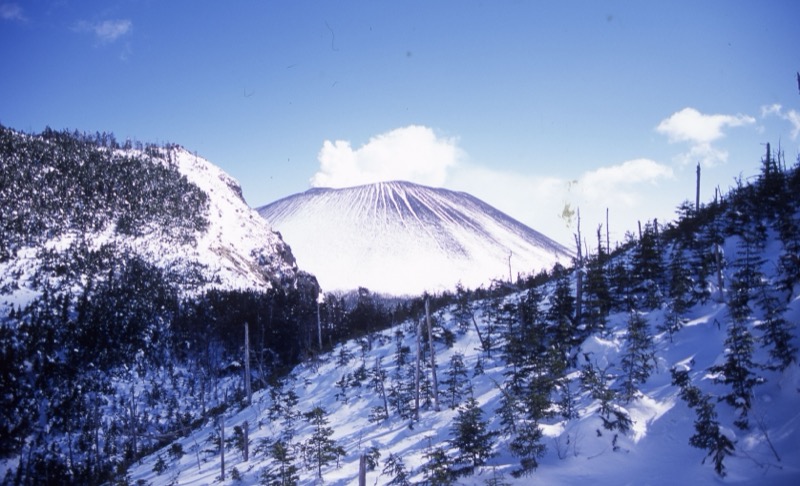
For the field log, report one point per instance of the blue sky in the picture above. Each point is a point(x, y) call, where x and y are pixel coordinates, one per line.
point(531, 106)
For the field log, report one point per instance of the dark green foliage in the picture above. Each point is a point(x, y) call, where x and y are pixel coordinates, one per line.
point(595, 381)
point(648, 268)
point(707, 430)
point(282, 471)
point(638, 357)
point(322, 450)
point(59, 182)
point(528, 446)
point(438, 470)
point(597, 300)
point(776, 331)
point(457, 385)
point(471, 436)
point(396, 470)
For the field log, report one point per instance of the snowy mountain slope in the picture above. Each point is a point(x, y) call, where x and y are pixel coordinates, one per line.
point(625, 395)
point(654, 452)
point(67, 198)
point(403, 238)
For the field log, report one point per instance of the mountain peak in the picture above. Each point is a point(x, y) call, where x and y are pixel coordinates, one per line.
point(399, 238)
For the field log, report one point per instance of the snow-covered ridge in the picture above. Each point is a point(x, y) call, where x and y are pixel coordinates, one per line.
point(67, 197)
point(237, 246)
point(403, 238)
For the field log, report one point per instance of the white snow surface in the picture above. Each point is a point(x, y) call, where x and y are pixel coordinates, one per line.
point(238, 249)
point(401, 238)
point(237, 246)
point(655, 451)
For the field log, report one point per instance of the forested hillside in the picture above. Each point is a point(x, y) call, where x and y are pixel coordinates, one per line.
point(124, 321)
point(671, 359)
point(124, 285)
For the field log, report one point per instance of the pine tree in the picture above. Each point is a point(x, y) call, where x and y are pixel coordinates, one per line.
point(708, 434)
point(396, 470)
point(560, 316)
point(638, 358)
point(457, 384)
point(321, 447)
point(776, 330)
point(438, 470)
point(597, 300)
point(737, 370)
point(648, 267)
point(283, 472)
point(679, 292)
point(527, 445)
point(471, 436)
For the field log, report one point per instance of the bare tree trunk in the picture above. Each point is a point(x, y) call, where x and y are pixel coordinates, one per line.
point(247, 386)
point(697, 191)
point(222, 448)
point(362, 470)
point(433, 355)
point(416, 375)
point(608, 237)
point(319, 329)
point(246, 445)
point(578, 274)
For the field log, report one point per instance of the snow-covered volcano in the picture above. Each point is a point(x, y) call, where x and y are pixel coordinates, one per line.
point(403, 238)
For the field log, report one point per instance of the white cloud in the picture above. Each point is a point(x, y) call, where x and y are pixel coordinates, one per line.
point(773, 109)
point(106, 31)
point(622, 183)
point(11, 11)
point(413, 153)
point(791, 116)
point(701, 130)
point(689, 125)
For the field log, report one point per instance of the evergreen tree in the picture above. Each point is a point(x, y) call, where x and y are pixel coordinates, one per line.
point(597, 300)
point(561, 315)
point(707, 434)
point(396, 470)
point(457, 385)
point(471, 436)
point(648, 267)
point(594, 381)
point(737, 370)
point(527, 445)
point(679, 291)
point(283, 472)
point(322, 449)
point(638, 358)
point(438, 470)
point(776, 330)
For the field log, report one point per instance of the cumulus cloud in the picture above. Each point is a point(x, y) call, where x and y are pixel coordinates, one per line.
point(701, 130)
point(792, 116)
point(622, 183)
point(689, 125)
point(106, 31)
point(413, 153)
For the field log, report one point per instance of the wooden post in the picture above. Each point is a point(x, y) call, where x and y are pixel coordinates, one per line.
point(247, 387)
point(246, 445)
point(578, 275)
point(417, 372)
point(362, 470)
point(510, 279)
point(222, 448)
point(433, 355)
point(319, 329)
point(697, 192)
